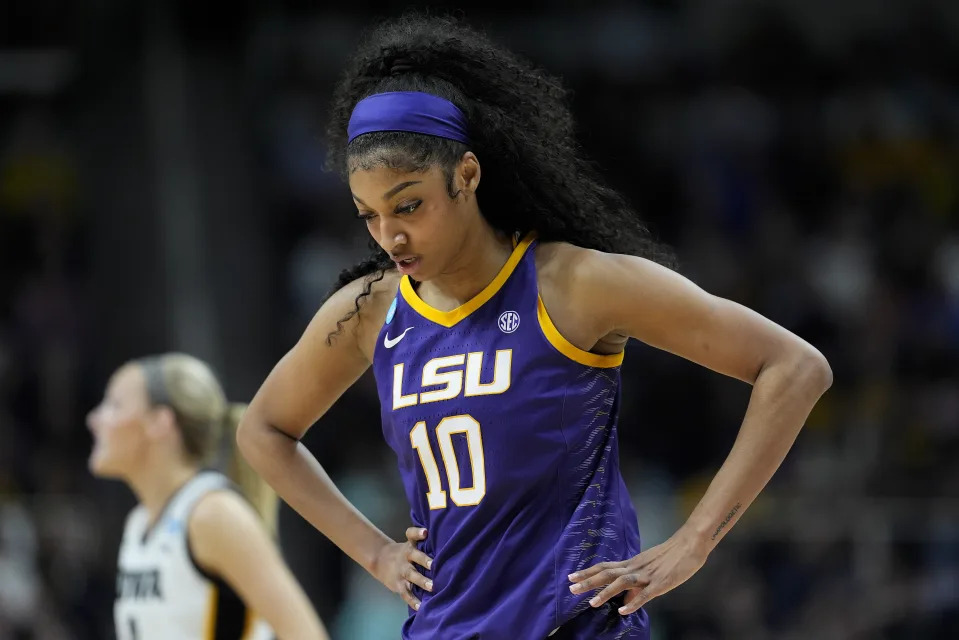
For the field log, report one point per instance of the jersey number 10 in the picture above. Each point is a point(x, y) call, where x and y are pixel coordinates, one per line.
point(461, 497)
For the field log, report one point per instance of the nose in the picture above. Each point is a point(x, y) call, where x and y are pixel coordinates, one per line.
point(393, 238)
point(399, 243)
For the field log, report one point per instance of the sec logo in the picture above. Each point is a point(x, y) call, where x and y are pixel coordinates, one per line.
point(508, 321)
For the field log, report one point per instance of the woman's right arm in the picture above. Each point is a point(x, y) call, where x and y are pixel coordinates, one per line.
point(300, 389)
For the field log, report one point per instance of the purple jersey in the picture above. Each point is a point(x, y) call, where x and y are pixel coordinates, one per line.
point(506, 439)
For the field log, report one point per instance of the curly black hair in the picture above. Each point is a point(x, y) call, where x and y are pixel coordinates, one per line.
point(534, 176)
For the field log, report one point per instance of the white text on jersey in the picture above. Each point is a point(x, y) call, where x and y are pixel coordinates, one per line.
point(451, 381)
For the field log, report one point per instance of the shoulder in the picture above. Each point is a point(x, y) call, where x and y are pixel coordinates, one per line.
point(359, 309)
point(219, 518)
point(574, 270)
point(568, 278)
point(375, 296)
point(221, 512)
point(586, 292)
point(558, 264)
point(220, 506)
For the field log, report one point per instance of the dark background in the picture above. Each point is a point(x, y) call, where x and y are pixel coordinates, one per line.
point(161, 187)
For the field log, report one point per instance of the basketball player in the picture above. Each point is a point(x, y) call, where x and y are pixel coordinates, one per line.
point(505, 281)
point(196, 560)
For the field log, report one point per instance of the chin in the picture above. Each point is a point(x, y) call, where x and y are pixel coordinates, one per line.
point(423, 275)
point(100, 468)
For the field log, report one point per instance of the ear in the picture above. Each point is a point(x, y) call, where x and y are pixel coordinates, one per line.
point(161, 422)
point(468, 173)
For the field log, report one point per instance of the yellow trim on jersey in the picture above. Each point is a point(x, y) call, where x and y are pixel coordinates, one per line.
point(570, 350)
point(248, 625)
point(450, 318)
point(210, 626)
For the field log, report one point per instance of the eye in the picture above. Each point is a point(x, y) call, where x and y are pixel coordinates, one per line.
point(365, 216)
point(408, 208)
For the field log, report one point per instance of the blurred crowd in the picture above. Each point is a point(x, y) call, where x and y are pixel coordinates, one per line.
point(802, 160)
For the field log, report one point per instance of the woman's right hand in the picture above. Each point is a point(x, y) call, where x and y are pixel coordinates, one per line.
point(394, 566)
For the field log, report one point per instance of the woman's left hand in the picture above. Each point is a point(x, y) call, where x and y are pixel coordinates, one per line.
point(652, 573)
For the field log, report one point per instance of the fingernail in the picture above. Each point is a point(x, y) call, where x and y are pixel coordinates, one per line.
point(575, 588)
point(422, 532)
point(429, 585)
point(416, 607)
point(622, 611)
point(429, 564)
point(573, 576)
point(594, 602)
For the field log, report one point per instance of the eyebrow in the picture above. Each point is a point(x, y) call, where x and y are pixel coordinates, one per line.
point(391, 192)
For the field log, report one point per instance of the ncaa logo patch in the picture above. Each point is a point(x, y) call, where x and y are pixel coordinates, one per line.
point(508, 321)
point(391, 312)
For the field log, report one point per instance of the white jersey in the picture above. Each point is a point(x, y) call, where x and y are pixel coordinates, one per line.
point(161, 593)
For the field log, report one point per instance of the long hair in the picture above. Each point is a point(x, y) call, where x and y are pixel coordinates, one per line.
point(208, 423)
point(535, 177)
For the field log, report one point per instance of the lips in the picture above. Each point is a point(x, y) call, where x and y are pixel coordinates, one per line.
point(406, 264)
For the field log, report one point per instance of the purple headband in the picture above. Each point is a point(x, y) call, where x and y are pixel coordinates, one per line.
point(411, 111)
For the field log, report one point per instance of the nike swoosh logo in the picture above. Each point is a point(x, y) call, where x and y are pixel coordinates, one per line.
point(390, 343)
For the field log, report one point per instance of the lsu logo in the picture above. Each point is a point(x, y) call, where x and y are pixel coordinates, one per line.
point(454, 375)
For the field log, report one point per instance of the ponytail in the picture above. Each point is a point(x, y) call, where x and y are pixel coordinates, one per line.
point(251, 485)
point(207, 423)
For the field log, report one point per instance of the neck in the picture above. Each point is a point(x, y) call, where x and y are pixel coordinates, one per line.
point(480, 257)
point(156, 482)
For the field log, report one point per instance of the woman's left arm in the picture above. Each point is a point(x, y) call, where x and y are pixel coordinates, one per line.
point(665, 310)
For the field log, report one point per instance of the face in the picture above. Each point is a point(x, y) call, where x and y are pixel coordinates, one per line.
point(412, 217)
point(118, 425)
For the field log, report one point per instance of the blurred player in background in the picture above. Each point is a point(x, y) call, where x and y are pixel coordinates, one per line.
point(504, 283)
point(197, 560)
